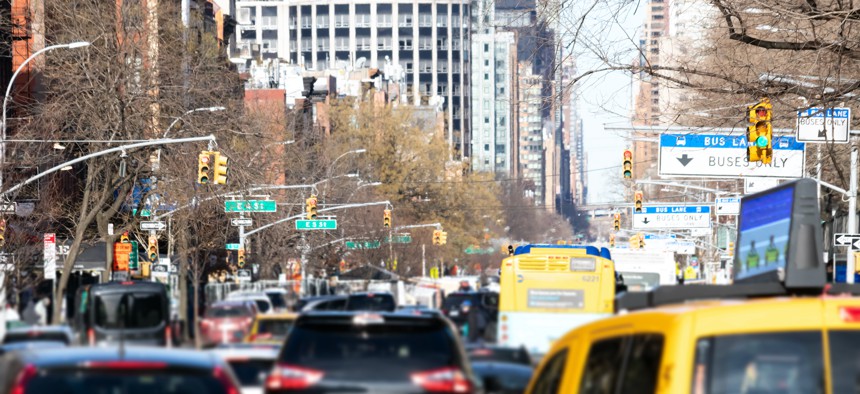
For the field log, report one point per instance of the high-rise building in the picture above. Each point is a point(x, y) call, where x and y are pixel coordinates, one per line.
point(531, 136)
point(493, 65)
point(428, 39)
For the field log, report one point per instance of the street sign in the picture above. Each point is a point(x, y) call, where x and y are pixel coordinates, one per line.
point(818, 125)
point(243, 275)
point(159, 273)
point(153, 225)
point(845, 239)
point(690, 216)
point(241, 222)
point(233, 246)
point(362, 245)
point(250, 206)
point(725, 156)
point(755, 185)
point(50, 256)
point(728, 205)
point(316, 224)
point(133, 259)
point(400, 239)
point(7, 207)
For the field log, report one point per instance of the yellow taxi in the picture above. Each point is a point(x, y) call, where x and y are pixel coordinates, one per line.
point(779, 328)
point(271, 329)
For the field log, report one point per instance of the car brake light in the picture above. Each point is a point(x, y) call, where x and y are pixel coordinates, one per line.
point(850, 314)
point(91, 336)
point(168, 336)
point(125, 365)
point(289, 377)
point(128, 282)
point(482, 352)
point(225, 380)
point(24, 377)
point(443, 380)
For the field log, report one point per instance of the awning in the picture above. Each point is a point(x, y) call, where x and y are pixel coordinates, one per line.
point(92, 258)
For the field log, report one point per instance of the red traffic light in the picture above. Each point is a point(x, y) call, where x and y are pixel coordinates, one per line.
point(628, 154)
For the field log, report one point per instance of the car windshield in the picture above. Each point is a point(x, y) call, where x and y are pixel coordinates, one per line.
point(35, 336)
point(372, 352)
point(124, 381)
point(251, 372)
point(262, 305)
point(453, 301)
point(221, 312)
point(278, 300)
point(130, 310)
point(788, 363)
point(371, 302)
point(276, 327)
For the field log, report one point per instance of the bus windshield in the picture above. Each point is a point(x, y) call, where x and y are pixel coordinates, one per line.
point(129, 310)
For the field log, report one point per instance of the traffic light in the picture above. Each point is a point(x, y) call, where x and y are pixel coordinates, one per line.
point(510, 250)
point(240, 258)
point(616, 223)
point(637, 201)
point(386, 218)
point(124, 237)
point(611, 240)
point(760, 132)
point(2, 232)
point(204, 163)
point(641, 240)
point(219, 175)
point(152, 252)
point(437, 237)
point(443, 237)
point(628, 164)
point(311, 207)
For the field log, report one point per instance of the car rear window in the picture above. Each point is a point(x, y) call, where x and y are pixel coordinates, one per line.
point(125, 382)
point(130, 310)
point(278, 300)
point(262, 305)
point(380, 352)
point(251, 372)
point(844, 360)
point(277, 328)
point(508, 355)
point(16, 337)
point(220, 312)
point(375, 302)
point(454, 301)
point(789, 362)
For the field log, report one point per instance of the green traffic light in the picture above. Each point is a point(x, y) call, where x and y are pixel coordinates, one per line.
point(628, 174)
point(761, 141)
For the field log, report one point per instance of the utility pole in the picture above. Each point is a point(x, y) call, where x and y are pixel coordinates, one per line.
point(852, 218)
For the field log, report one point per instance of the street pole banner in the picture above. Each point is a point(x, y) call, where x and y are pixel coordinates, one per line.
point(50, 256)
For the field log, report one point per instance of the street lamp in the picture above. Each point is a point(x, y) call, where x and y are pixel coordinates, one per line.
point(202, 109)
point(331, 167)
point(251, 162)
point(74, 45)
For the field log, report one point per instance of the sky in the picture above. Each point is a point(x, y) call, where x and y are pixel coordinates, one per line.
point(605, 98)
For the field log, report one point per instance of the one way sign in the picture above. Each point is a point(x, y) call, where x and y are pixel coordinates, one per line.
point(845, 239)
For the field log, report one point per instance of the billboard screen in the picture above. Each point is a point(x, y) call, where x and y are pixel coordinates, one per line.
point(763, 233)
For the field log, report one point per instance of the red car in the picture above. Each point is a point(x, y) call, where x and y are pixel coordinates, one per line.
point(227, 322)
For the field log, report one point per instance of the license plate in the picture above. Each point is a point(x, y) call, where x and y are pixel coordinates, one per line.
point(455, 313)
point(228, 327)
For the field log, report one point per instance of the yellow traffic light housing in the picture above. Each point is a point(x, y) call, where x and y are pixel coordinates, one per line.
point(240, 259)
point(437, 237)
point(616, 222)
point(204, 164)
point(611, 240)
point(760, 132)
point(386, 218)
point(311, 207)
point(2, 232)
point(219, 175)
point(628, 164)
point(443, 237)
point(637, 201)
point(124, 237)
point(152, 252)
point(641, 240)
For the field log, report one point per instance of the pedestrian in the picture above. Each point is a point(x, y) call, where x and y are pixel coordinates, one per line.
point(42, 310)
point(475, 321)
point(29, 314)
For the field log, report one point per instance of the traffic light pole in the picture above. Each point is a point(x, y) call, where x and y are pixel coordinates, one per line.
point(851, 225)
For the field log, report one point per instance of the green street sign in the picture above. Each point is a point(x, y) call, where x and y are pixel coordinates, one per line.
point(400, 239)
point(319, 224)
point(362, 245)
point(478, 250)
point(132, 257)
point(232, 247)
point(250, 206)
point(144, 213)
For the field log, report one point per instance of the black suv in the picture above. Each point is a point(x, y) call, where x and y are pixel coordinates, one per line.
point(486, 302)
point(366, 352)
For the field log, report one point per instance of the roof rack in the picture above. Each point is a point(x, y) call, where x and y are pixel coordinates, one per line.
point(679, 294)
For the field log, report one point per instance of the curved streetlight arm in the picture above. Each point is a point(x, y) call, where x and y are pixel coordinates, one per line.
point(299, 216)
point(223, 195)
point(178, 118)
point(678, 184)
point(121, 148)
point(438, 226)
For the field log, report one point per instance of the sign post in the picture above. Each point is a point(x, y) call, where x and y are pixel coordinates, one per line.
point(725, 156)
point(50, 255)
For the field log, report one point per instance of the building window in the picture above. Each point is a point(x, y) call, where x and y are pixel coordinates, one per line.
point(486, 77)
point(486, 120)
point(486, 47)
